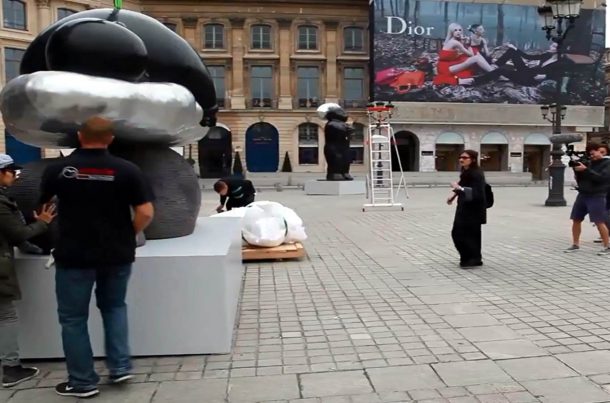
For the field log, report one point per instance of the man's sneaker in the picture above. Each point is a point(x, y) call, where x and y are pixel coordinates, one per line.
point(572, 248)
point(64, 389)
point(15, 375)
point(117, 379)
point(604, 252)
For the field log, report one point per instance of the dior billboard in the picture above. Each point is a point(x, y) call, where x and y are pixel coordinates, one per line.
point(447, 51)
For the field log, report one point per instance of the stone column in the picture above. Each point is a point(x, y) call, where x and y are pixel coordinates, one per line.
point(43, 14)
point(285, 50)
point(236, 93)
point(189, 24)
point(332, 94)
point(516, 146)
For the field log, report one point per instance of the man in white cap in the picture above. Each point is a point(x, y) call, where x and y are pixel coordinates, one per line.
point(13, 231)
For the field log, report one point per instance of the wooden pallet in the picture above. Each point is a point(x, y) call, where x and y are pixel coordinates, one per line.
point(291, 251)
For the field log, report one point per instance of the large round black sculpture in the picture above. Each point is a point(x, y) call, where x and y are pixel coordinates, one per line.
point(337, 136)
point(131, 69)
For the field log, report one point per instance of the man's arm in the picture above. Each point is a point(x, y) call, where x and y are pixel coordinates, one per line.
point(603, 176)
point(143, 216)
point(141, 197)
point(13, 228)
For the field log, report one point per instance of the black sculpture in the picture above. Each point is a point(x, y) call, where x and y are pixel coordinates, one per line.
point(337, 135)
point(131, 69)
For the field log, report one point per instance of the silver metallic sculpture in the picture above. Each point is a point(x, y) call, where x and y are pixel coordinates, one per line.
point(133, 70)
point(45, 107)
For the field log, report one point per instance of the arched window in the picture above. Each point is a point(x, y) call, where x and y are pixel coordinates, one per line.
point(261, 36)
point(308, 37)
point(357, 144)
point(308, 144)
point(14, 14)
point(353, 39)
point(214, 36)
point(64, 12)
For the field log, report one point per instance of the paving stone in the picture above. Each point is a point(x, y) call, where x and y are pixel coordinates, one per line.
point(493, 398)
point(504, 349)
point(421, 394)
point(336, 399)
point(527, 369)
point(567, 390)
point(5, 395)
point(131, 393)
point(470, 373)
point(259, 388)
point(463, 399)
point(208, 390)
point(520, 397)
point(588, 363)
point(471, 320)
point(46, 395)
point(394, 397)
point(335, 384)
point(601, 379)
point(455, 391)
point(488, 333)
point(404, 378)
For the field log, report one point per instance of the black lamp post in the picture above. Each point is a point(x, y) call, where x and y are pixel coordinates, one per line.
point(555, 14)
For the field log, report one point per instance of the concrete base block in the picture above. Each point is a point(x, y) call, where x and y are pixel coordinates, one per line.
point(335, 188)
point(182, 297)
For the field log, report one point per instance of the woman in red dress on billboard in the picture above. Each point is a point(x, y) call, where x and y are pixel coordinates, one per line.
point(455, 61)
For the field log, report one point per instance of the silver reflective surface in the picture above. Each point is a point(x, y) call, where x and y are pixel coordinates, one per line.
point(46, 109)
point(327, 107)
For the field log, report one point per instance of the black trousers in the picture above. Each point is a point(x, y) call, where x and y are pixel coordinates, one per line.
point(338, 157)
point(243, 202)
point(467, 240)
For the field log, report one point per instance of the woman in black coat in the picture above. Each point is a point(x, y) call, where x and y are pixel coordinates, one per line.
point(471, 210)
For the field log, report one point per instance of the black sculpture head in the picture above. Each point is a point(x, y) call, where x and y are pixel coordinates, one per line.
point(331, 111)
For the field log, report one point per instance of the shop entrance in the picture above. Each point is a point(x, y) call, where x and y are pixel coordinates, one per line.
point(407, 144)
point(537, 156)
point(449, 146)
point(494, 152)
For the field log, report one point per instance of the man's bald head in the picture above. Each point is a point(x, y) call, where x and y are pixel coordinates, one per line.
point(96, 131)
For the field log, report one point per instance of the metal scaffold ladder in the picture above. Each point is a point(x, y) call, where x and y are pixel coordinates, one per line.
point(380, 179)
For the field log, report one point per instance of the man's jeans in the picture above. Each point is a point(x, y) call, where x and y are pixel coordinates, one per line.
point(73, 288)
point(9, 349)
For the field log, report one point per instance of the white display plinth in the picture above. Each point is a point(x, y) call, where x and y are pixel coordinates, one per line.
point(182, 297)
point(335, 188)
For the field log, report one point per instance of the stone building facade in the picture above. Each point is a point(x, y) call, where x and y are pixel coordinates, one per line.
point(274, 62)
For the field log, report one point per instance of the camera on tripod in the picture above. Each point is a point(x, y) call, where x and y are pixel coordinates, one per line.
point(577, 157)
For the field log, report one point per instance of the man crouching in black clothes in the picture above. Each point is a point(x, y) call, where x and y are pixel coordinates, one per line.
point(239, 192)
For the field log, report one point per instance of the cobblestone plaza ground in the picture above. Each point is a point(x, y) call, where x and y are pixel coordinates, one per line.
point(380, 312)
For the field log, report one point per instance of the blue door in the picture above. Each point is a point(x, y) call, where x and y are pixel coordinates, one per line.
point(262, 148)
point(21, 152)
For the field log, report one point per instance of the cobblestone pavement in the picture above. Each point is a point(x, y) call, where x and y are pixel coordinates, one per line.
point(380, 312)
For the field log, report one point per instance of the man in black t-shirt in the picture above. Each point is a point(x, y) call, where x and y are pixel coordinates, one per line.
point(235, 192)
point(96, 193)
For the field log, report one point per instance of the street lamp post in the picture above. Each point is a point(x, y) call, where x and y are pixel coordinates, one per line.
point(555, 14)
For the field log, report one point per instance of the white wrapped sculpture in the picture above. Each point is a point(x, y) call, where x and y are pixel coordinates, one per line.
point(269, 224)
